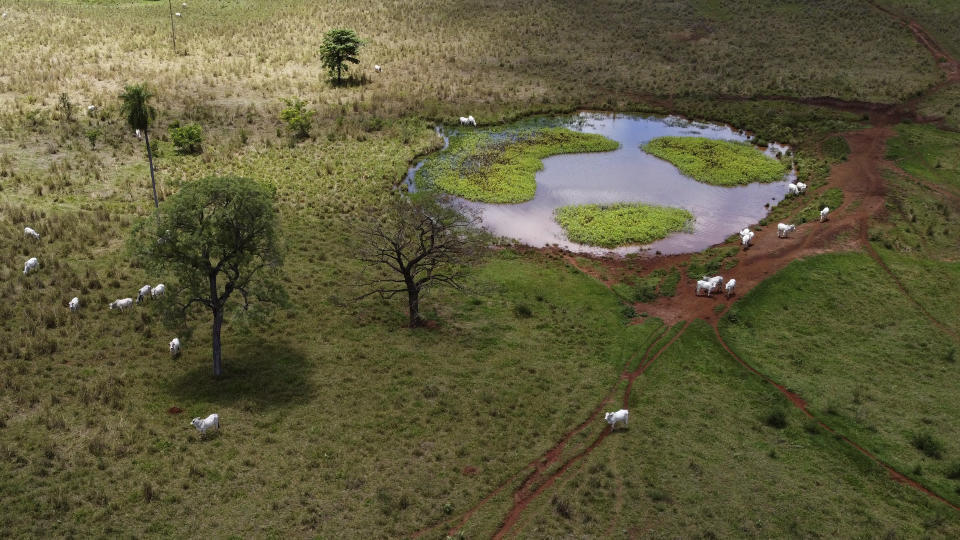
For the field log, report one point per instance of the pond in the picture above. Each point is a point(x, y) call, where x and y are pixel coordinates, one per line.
point(628, 174)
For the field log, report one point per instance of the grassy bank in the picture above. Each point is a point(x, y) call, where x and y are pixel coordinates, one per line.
point(928, 153)
point(721, 163)
point(499, 165)
point(620, 224)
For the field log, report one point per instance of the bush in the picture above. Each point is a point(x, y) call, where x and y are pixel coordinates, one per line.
point(297, 117)
point(776, 419)
point(522, 311)
point(187, 139)
point(925, 443)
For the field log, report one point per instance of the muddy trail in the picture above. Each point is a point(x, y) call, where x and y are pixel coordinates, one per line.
point(860, 178)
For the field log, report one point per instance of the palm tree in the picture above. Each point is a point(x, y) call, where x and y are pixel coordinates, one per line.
point(139, 114)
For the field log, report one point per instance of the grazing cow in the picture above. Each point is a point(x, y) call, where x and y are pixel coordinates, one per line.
point(784, 230)
point(203, 424)
point(31, 264)
point(175, 347)
point(464, 121)
point(793, 189)
point(30, 232)
point(121, 304)
point(138, 133)
point(158, 290)
point(823, 214)
point(730, 286)
point(703, 285)
point(613, 418)
point(801, 187)
point(745, 239)
point(74, 304)
point(377, 68)
point(143, 292)
point(91, 109)
point(472, 120)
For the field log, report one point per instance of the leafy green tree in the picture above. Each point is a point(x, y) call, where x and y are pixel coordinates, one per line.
point(187, 139)
point(297, 117)
point(340, 46)
point(215, 237)
point(418, 244)
point(136, 107)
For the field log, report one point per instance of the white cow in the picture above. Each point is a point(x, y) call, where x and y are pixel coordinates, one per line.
point(801, 187)
point(143, 292)
point(91, 109)
point(74, 304)
point(377, 68)
point(715, 281)
point(784, 230)
point(175, 347)
point(473, 121)
point(730, 286)
point(158, 290)
point(31, 264)
point(613, 417)
point(823, 214)
point(464, 121)
point(30, 232)
point(203, 424)
point(793, 189)
point(138, 133)
point(121, 304)
point(703, 285)
point(745, 239)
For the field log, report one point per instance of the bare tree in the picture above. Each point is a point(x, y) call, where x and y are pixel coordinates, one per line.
point(417, 244)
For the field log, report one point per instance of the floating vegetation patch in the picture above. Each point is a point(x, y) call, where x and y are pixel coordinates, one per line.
point(620, 224)
point(499, 166)
point(721, 163)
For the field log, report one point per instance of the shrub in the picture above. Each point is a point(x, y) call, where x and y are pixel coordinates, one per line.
point(522, 311)
point(953, 472)
point(927, 444)
point(187, 139)
point(297, 117)
point(776, 419)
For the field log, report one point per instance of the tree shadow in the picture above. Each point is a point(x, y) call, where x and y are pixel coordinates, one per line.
point(351, 81)
point(258, 375)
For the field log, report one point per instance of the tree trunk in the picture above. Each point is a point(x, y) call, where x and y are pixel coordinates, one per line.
point(413, 301)
point(217, 323)
point(146, 137)
point(173, 30)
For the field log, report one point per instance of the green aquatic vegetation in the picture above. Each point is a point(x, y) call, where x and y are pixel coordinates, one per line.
point(721, 163)
point(620, 224)
point(499, 166)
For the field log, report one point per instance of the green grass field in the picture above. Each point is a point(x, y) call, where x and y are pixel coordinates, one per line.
point(837, 330)
point(340, 422)
point(620, 224)
point(721, 163)
point(700, 460)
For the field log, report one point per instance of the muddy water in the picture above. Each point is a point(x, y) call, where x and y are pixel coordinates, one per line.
point(631, 175)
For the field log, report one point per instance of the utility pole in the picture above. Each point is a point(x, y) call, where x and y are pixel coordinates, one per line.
point(173, 30)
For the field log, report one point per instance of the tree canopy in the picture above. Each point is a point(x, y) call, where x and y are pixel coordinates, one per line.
point(418, 244)
point(215, 237)
point(340, 46)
